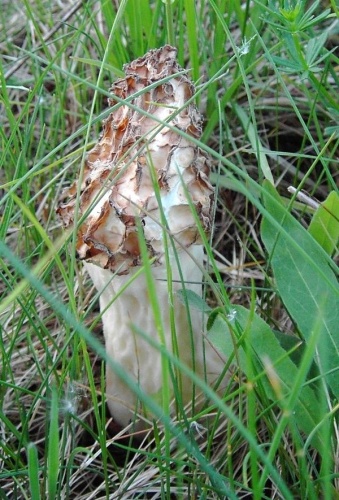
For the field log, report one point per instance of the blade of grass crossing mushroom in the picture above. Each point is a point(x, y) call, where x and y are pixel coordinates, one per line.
point(170, 247)
point(151, 288)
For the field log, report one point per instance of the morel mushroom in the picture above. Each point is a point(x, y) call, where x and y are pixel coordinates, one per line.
point(118, 198)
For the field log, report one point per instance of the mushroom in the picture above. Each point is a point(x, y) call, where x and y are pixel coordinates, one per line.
point(143, 171)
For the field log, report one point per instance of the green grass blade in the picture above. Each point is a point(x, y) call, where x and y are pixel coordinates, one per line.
point(33, 471)
point(192, 40)
point(53, 458)
point(255, 141)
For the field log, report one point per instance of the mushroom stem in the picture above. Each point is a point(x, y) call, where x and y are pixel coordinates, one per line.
point(139, 173)
point(124, 344)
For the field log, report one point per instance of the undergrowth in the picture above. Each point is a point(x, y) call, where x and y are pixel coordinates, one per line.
point(266, 75)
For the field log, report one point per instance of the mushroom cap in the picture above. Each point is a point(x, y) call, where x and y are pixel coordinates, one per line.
point(143, 166)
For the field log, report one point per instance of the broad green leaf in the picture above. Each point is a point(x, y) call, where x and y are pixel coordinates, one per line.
point(193, 300)
point(296, 349)
point(242, 330)
point(305, 282)
point(324, 226)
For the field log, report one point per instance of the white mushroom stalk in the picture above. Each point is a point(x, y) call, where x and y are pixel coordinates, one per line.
point(139, 175)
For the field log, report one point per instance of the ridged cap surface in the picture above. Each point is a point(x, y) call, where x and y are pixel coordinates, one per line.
point(138, 161)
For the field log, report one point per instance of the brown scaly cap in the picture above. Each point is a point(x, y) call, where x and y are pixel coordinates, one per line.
point(117, 186)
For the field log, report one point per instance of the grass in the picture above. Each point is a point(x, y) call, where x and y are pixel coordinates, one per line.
point(266, 75)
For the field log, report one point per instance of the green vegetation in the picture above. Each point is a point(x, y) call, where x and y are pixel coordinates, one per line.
point(266, 74)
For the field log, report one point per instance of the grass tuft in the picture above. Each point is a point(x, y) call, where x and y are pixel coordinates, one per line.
point(266, 74)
